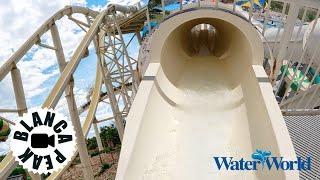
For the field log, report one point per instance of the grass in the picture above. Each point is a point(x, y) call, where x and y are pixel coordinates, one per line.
point(104, 167)
point(94, 153)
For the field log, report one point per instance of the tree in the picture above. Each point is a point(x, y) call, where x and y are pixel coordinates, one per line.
point(109, 136)
point(92, 143)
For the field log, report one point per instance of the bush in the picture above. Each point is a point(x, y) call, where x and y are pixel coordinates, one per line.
point(105, 166)
point(18, 171)
point(109, 136)
point(92, 143)
point(94, 153)
point(107, 149)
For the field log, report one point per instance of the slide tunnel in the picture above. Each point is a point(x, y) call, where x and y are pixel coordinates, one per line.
point(205, 94)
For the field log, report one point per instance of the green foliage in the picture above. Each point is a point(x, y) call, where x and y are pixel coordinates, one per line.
point(105, 166)
point(94, 153)
point(2, 157)
point(5, 132)
point(1, 123)
point(107, 149)
point(92, 143)
point(310, 15)
point(109, 136)
point(277, 7)
point(18, 170)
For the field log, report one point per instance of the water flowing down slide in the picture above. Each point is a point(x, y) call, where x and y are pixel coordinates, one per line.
point(205, 94)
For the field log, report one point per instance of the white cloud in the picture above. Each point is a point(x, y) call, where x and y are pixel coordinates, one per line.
point(124, 2)
point(22, 20)
point(19, 20)
point(121, 2)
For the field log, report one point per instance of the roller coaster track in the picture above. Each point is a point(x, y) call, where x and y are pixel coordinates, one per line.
point(16, 57)
point(111, 73)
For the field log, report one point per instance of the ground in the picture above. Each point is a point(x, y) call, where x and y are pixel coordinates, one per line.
point(74, 171)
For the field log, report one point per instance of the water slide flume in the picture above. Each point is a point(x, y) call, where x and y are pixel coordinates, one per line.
point(196, 102)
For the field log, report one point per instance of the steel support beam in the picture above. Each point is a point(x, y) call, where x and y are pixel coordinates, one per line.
point(125, 96)
point(88, 121)
point(134, 78)
point(98, 138)
point(81, 143)
point(109, 86)
point(65, 77)
point(9, 110)
point(18, 90)
point(22, 108)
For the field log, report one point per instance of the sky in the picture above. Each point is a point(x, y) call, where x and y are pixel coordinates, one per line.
point(39, 68)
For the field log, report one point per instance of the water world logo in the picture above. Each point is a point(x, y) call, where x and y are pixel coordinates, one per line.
point(262, 160)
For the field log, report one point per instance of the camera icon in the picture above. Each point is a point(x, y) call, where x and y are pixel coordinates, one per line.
point(42, 140)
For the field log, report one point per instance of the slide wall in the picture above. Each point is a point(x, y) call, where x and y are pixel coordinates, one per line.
point(205, 94)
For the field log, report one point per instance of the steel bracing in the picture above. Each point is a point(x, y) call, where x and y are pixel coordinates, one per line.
point(118, 71)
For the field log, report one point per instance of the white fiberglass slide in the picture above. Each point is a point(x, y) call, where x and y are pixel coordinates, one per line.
point(205, 94)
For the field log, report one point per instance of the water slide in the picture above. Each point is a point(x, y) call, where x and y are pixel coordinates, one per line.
point(204, 94)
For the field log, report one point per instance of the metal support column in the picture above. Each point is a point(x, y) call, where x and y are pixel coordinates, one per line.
point(81, 143)
point(126, 54)
point(121, 71)
point(98, 138)
point(21, 104)
point(18, 90)
point(107, 81)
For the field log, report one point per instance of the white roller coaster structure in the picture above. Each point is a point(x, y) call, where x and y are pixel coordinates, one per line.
point(119, 72)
